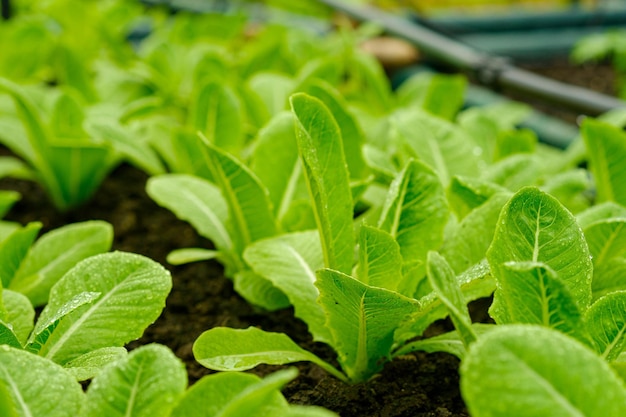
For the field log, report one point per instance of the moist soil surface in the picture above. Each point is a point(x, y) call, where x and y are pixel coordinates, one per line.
point(415, 385)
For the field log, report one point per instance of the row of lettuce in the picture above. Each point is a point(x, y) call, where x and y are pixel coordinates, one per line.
point(373, 212)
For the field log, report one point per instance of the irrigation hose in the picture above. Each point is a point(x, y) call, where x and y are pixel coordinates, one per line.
point(491, 71)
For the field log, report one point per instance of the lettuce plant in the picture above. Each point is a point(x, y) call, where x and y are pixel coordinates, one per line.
point(99, 305)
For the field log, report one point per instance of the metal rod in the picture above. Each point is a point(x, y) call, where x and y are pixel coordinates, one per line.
point(492, 71)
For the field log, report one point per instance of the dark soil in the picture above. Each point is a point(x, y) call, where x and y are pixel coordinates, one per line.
point(202, 298)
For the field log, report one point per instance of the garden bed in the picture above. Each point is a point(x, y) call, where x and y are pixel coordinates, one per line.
point(417, 385)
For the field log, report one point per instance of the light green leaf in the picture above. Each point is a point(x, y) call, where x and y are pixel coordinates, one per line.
point(468, 244)
point(606, 148)
point(217, 113)
point(608, 277)
point(90, 364)
point(606, 239)
point(57, 252)
point(352, 137)
point(380, 260)
point(259, 291)
point(440, 94)
point(598, 212)
point(226, 393)
point(136, 151)
point(20, 314)
point(362, 321)
point(415, 212)
point(275, 161)
point(194, 200)
point(43, 329)
point(14, 248)
point(444, 283)
point(289, 262)
point(37, 387)
point(532, 371)
point(570, 188)
point(7, 197)
point(8, 337)
point(226, 349)
point(133, 291)
point(514, 172)
point(321, 149)
point(442, 145)
point(250, 211)
point(147, 383)
point(606, 323)
point(511, 142)
point(187, 255)
point(535, 227)
point(467, 193)
point(273, 89)
point(531, 293)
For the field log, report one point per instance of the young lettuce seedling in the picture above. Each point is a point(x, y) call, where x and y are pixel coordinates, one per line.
point(367, 319)
point(98, 306)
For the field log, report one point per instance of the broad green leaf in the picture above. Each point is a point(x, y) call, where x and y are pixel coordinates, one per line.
point(226, 349)
point(8, 337)
point(606, 323)
point(438, 143)
point(535, 227)
point(467, 193)
point(512, 142)
point(14, 248)
point(380, 260)
point(362, 320)
point(222, 394)
point(178, 147)
point(321, 149)
point(606, 239)
point(273, 89)
point(351, 134)
point(187, 255)
point(250, 211)
point(132, 291)
point(514, 172)
point(606, 147)
point(57, 252)
point(20, 314)
point(415, 212)
point(468, 243)
point(216, 112)
point(194, 200)
point(275, 161)
point(443, 281)
point(44, 328)
point(439, 94)
point(609, 277)
point(68, 116)
point(450, 342)
point(530, 293)
point(37, 387)
point(599, 212)
point(289, 261)
point(90, 364)
point(531, 371)
point(147, 383)
point(78, 169)
point(259, 291)
point(570, 188)
point(136, 151)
